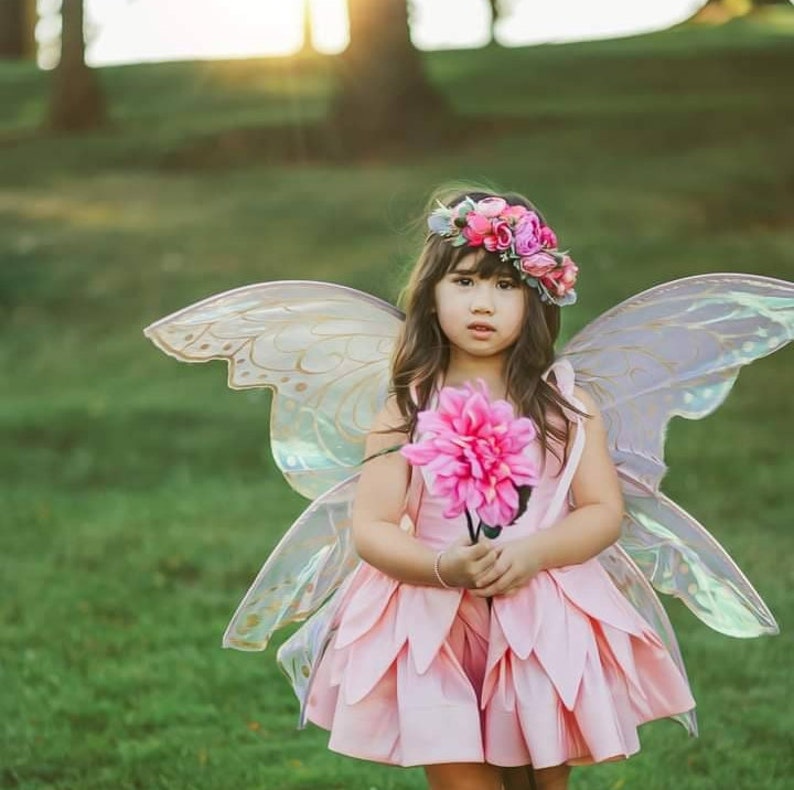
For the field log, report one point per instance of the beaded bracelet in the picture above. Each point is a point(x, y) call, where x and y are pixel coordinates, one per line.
point(436, 563)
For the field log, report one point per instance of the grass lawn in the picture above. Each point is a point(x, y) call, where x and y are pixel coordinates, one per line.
point(138, 495)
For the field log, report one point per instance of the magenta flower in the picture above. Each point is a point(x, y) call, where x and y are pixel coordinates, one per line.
point(500, 238)
point(527, 234)
point(477, 228)
point(474, 450)
point(547, 238)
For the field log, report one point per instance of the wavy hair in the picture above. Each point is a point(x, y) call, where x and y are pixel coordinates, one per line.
point(422, 351)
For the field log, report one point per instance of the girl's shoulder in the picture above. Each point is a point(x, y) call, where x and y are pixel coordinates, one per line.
point(587, 401)
point(387, 427)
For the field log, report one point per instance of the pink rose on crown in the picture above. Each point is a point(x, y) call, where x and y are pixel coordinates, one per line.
point(514, 213)
point(547, 237)
point(500, 238)
point(491, 207)
point(476, 229)
point(538, 264)
point(562, 279)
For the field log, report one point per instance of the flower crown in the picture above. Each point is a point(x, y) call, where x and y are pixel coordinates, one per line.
point(518, 235)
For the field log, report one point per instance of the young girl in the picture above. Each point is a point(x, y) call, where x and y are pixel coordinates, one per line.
point(502, 663)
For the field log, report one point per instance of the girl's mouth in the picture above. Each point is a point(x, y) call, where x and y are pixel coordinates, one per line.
point(483, 330)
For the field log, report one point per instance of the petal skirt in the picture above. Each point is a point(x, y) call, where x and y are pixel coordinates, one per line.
point(564, 671)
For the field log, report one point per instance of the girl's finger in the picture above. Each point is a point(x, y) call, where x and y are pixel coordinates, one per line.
point(498, 587)
point(480, 549)
point(484, 564)
point(490, 575)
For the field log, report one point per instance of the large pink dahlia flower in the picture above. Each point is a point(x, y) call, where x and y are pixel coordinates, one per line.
point(475, 451)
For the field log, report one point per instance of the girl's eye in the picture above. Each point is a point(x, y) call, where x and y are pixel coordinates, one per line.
point(462, 280)
point(506, 285)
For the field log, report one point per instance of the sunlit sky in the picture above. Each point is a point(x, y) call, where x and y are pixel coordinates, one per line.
point(125, 31)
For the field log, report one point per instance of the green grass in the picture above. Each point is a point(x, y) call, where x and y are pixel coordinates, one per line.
point(139, 497)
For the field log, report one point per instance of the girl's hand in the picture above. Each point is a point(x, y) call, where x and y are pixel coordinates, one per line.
point(516, 564)
point(464, 564)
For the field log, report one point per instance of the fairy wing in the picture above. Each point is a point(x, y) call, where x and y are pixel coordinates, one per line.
point(681, 558)
point(310, 562)
point(631, 582)
point(324, 349)
point(677, 349)
point(299, 656)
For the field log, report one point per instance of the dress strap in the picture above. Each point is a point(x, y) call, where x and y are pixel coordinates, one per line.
point(565, 378)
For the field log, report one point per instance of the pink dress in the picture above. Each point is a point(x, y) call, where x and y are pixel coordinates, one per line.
point(563, 671)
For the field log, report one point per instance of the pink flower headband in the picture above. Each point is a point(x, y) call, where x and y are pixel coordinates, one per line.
point(518, 235)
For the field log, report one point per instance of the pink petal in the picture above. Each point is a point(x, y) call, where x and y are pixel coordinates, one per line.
point(418, 454)
point(491, 206)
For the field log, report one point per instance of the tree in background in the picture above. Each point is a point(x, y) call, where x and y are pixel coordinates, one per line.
point(500, 9)
point(76, 99)
point(308, 27)
point(384, 94)
point(716, 12)
point(18, 29)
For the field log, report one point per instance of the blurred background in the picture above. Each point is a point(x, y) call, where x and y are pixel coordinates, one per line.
point(153, 153)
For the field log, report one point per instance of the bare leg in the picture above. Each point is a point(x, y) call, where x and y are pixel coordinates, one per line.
point(554, 778)
point(463, 776)
point(518, 778)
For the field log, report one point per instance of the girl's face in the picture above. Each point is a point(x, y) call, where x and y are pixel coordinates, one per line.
point(480, 316)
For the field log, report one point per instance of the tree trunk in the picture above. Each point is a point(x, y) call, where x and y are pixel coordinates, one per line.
point(308, 44)
point(384, 95)
point(496, 13)
point(18, 29)
point(76, 99)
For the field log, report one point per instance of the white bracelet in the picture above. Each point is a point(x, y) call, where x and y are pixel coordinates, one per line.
point(436, 563)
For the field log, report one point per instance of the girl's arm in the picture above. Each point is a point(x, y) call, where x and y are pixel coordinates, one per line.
point(593, 525)
point(379, 507)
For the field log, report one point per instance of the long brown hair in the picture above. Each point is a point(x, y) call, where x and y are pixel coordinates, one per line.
point(422, 351)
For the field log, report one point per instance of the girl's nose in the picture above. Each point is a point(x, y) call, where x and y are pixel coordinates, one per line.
point(481, 301)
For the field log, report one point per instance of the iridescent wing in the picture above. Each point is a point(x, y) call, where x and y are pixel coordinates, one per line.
point(681, 558)
point(629, 579)
point(310, 562)
point(302, 575)
point(677, 349)
point(299, 655)
point(324, 349)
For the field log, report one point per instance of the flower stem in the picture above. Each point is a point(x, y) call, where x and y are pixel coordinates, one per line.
point(472, 534)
